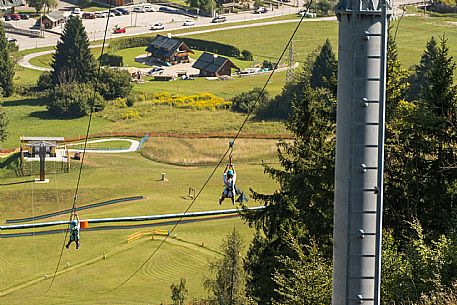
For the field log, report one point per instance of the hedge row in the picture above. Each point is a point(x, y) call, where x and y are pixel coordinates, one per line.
point(193, 43)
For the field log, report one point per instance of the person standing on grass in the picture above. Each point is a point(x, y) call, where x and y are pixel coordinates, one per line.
point(229, 183)
point(74, 231)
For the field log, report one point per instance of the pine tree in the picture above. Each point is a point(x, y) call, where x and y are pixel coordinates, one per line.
point(73, 61)
point(226, 283)
point(6, 66)
point(420, 146)
point(3, 125)
point(325, 69)
point(420, 79)
point(303, 206)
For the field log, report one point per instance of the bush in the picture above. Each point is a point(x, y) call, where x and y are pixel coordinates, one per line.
point(246, 55)
point(193, 43)
point(74, 100)
point(111, 60)
point(114, 83)
point(130, 101)
point(246, 101)
point(44, 82)
point(267, 65)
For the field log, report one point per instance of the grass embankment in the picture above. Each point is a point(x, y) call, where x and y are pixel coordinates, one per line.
point(208, 151)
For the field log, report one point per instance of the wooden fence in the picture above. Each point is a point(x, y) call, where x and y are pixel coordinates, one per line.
point(139, 234)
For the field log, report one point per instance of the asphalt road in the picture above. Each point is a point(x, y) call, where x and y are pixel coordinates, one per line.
point(136, 24)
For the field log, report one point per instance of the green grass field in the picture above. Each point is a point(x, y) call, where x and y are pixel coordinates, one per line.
point(28, 116)
point(88, 275)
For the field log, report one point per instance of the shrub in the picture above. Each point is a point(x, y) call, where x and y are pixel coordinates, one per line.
point(130, 114)
point(111, 60)
point(130, 101)
point(74, 100)
point(114, 83)
point(245, 101)
point(44, 82)
point(246, 55)
point(120, 102)
point(267, 65)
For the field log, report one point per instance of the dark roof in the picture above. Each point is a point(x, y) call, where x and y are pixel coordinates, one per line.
point(55, 16)
point(164, 46)
point(211, 63)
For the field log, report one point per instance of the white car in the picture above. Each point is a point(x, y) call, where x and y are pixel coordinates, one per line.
point(11, 39)
point(101, 14)
point(111, 14)
point(139, 9)
point(189, 23)
point(148, 8)
point(307, 14)
point(76, 11)
point(157, 26)
point(261, 10)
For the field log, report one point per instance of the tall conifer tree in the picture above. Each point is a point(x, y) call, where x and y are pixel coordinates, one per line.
point(73, 61)
point(6, 66)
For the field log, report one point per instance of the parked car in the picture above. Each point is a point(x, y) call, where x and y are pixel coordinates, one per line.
point(307, 14)
point(157, 26)
point(24, 16)
point(76, 11)
point(155, 70)
point(139, 9)
point(111, 14)
point(218, 19)
point(148, 8)
point(101, 15)
point(15, 17)
point(11, 39)
point(118, 30)
point(116, 12)
point(124, 11)
point(88, 15)
point(166, 9)
point(7, 18)
point(189, 23)
point(260, 10)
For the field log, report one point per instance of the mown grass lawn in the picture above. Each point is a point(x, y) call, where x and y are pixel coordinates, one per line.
point(106, 177)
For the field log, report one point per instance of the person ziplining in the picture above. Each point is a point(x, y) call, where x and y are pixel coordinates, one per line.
point(229, 177)
point(74, 231)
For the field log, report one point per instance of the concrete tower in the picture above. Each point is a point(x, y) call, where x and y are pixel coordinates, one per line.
point(362, 42)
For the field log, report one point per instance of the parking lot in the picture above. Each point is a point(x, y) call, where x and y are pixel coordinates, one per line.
point(135, 24)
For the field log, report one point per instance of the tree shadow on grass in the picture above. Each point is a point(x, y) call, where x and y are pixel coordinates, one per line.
point(46, 115)
point(25, 102)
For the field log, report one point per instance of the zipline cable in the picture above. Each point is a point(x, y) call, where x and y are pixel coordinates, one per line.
point(223, 157)
point(75, 197)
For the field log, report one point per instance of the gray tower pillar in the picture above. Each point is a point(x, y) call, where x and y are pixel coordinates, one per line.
point(359, 151)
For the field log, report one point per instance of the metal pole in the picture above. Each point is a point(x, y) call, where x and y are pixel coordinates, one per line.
point(382, 127)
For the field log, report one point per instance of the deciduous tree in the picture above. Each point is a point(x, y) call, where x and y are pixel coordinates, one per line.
point(179, 292)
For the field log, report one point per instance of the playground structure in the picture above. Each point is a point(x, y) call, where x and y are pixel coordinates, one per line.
point(140, 234)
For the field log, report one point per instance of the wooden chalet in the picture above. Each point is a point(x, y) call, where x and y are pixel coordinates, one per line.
point(52, 19)
point(212, 65)
point(168, 50)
